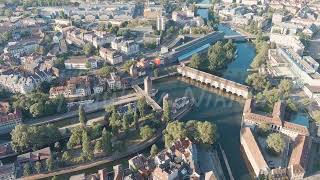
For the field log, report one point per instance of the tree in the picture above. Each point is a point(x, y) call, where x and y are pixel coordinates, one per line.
point(126, 66)
point(98, 146)
point(146, 132)
point(105, 71)
point(125, 123)
point(54, 178)
point(275, 143)
point(258, 81)
point(88, 49)
point(115, 121)
point(49, 164)
point(25, 137)
point(230, 49)
point(291, 106)
point(316, 117)
point(261, 55)
point(37, 109)
point(195, 61)
point(66, 156)
point(142, 106)
point(106, 141)
point(285, 87)
point(76, 137)
point(86, 148)
point(136, 119)
point(26, 169)
point(154, 150)
point(95, 130)
point(82, 115)
point(216, 56)
point(207, 132)
point(166, 111)
point(20, 138)
point(177, 130)
point(38, 167)
point(263, 129)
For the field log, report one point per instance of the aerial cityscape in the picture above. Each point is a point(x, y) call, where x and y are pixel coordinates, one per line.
point(159, 89)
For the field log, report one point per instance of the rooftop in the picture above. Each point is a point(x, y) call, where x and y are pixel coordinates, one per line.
point(253, 147)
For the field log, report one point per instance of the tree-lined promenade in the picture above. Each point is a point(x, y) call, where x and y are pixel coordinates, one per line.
point(90, 146)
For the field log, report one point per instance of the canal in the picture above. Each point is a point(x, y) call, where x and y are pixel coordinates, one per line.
point(213, 105)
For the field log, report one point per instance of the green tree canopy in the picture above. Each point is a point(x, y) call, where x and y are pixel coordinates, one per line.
point(258, 81)
point(146, 132)
point(50, 164)
point(66, 156)
point(142, 104)
point(106, 141)
point(216, 56)
point(98, 146)
point(88, 49)
point(25, 137)
point(87, 151)
point(275, 143)
point(154, 150)
point(26, 169)
point(105, 71)
point(38, 167)
point(82, 115)
point(195, 61)
point(263, 129)
point(166, 111)
point(199, 132)
point(76, 137)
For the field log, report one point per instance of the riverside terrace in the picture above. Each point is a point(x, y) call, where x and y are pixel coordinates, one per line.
point(215, 81)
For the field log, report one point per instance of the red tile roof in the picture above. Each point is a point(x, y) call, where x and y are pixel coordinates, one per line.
point(299, 155)
point(253, 148)
point(276, 118)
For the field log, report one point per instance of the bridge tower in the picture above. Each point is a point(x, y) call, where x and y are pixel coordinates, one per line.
point(148, 85)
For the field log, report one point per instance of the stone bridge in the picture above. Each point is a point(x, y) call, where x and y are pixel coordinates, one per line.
point(215, 81)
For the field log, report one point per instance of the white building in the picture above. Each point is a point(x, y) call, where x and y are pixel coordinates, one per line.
point(111, 56)
point(288, 41)
point(277, 18)
point(129, 47)
point(161, 23)
point(248, 2)
point(303, 70)
point(240, 20)
point(81, 62)
point(114, 82)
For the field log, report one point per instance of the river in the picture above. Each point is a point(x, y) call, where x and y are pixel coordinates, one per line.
point(213, 105)
point(223, 109)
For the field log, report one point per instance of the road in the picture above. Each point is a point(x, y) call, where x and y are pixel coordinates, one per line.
point(93, 107)
point(132, 150)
